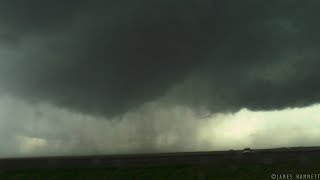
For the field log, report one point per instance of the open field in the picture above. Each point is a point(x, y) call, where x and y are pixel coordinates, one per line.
point(259, 164)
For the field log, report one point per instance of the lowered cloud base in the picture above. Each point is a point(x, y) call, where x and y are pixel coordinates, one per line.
point(122, 76)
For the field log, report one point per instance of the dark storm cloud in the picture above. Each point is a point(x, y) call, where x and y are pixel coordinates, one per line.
point(106, 57)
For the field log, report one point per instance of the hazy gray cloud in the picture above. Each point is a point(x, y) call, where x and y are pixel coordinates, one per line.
point(45, 130)
point(106, 58)
point(42, 130)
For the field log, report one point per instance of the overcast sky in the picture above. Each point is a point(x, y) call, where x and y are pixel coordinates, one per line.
point(96, 77)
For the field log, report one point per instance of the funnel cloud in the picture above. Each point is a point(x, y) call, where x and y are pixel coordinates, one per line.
point(108, 57)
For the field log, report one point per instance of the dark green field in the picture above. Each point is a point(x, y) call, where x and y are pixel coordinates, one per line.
point(253, 171)
point(237, 166)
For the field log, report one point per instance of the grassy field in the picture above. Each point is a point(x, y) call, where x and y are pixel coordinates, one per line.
point(224, 171)
point(211, 165)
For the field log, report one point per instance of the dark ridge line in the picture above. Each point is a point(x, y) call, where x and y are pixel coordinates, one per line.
point(295, 149)
point(212, 158)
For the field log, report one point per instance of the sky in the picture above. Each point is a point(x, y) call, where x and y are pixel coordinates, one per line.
point(105, 77)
